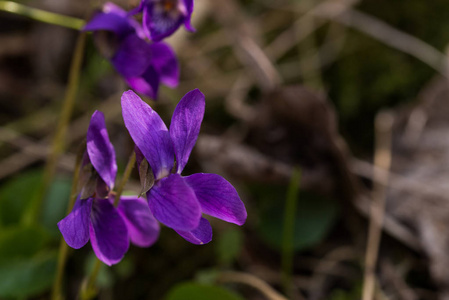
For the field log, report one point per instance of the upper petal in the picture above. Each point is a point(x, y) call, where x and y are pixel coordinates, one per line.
point(174, 203)
point(75, 226)
point(185, 125)
point(143, 229)
point(218, 197)
point(100, 150)
point(189, 8)
point(108, 232)
point(200, 235)
point(149, 133)
point(165, 62)
point(132, 57)
point(111, 18)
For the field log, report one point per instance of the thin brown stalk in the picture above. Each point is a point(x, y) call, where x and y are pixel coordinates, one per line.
point(251, 280)
point(382, 159)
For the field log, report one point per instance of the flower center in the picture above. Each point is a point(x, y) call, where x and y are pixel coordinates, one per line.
point(169, 8)
point(168, 5)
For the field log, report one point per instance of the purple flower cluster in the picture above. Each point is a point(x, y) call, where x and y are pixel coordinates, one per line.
point(176, 201)
point(136, 51)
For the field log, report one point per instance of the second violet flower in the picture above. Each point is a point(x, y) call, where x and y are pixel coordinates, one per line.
point(179, 201)
point(142, 64)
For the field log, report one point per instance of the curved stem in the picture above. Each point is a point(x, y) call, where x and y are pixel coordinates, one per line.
point(42, 15)
point(63, 248)
point(87, 290)
point(57, 146)
point(289, 232)
point(251, 280)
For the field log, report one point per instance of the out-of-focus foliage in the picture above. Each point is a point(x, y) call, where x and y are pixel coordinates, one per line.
point(315, 216)
point(27, 252)
point(195, 291)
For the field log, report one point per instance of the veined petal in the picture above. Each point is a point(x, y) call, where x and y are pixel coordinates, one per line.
point(200, 235)
point(158, 22)
point(218, 198)
point(132, 57)
point(149, 133)
point(108, 232)
point(143, 229)
point(147, 83)
point(165, 62)
point(100, 150)
point(185, 125)
point(174, 204)
point(75, 226)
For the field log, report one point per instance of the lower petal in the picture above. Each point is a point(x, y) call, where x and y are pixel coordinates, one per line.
point(174, 203)
point(143, 229)
point(108, 232)
point(147, 84)
point(200, 235)
point(218, 198)
point(75, 226)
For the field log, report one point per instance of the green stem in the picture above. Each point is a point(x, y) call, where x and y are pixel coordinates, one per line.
point(63, 248)
point(41, 15)
point(126, 175)
point(87, 290)
point(289, 232)
point(57, 146)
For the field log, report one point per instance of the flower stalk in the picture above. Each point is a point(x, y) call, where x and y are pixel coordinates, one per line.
point(63, 248)
point(289, 232)
point(41, 15)
point(88, 289)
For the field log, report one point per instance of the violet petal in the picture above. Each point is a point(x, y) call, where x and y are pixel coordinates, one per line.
point(218, 198)
point(149, 133)
point(133, 56)
point(185, 125)
point(108, 232)
point(165, 62)
point(113, 19)
point(143, 229)
point(174, 204)
point(100, 150)
point(75, 226)
point(200, 235)
point(187, 20)
point(147, 83)
point(157, 23)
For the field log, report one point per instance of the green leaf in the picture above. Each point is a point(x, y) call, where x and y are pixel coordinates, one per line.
point(195, 291)
point(314, 218)
point(18, 242)
point(55, 205)
point(229, 245)
point(16, 195)
point(25, 269)
point(22, 277)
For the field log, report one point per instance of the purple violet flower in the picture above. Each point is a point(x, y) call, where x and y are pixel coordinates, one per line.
point(94, 216)
point(121, 39)
point(161, 18)
point(175, 200)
